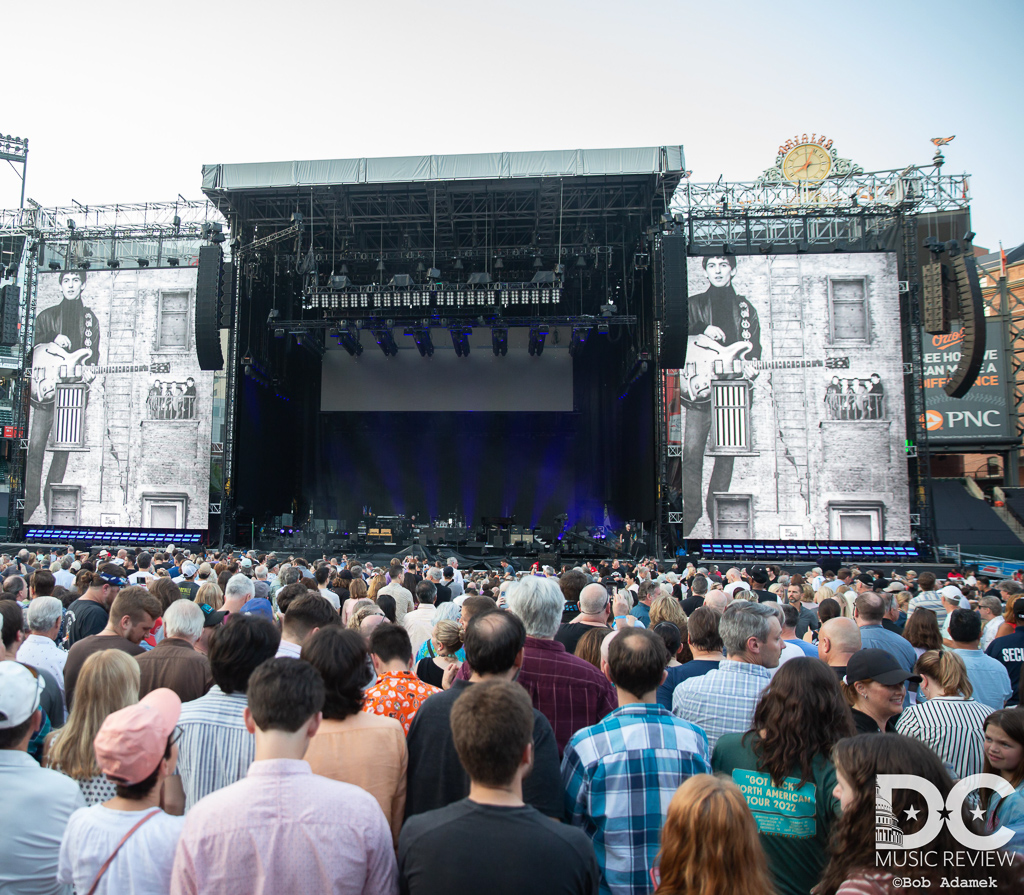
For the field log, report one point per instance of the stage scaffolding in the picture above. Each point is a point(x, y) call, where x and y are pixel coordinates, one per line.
point(856, 212)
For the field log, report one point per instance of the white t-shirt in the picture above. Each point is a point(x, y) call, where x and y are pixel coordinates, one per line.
point(143, 865)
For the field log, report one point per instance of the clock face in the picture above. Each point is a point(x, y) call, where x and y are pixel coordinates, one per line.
point(808, 161)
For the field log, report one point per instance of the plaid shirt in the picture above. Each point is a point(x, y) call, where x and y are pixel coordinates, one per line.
point(723, 700)
point(568, 691)
point(619, 777)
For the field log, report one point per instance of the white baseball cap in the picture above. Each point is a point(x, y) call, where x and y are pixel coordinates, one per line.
point(20, 691)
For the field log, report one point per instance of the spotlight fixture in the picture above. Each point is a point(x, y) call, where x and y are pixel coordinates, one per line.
point(85, 264)
point(581, 261)
point(278, 333)
point(603, 328)
point(499, 340)
point(423, 343)
point(54, 265)
point(173, 261)
point(460, 340)
point(538, 262)
point(433, 273)
point(143, 262)
point(386, 341)
point(579, 339)
point(419, 267)
point(113, 263)
point(380, 266)
point(498, 263)
point(458, 264)
point(71, 224)
point(348, 338)
point(537, 336)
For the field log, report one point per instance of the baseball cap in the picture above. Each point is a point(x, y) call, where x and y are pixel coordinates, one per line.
point(877, 665)
point(951, 592)
point(131, 742)
point(894, 587)
point(211, 617)
point(20, 691)
point(204, 570)
point(246, 562)
point(189, 569)
point(1018, 609)
point(866, 580)
point(258, 606)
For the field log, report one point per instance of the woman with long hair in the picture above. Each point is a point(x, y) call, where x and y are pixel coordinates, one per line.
point(379, 581)
point(1009, 624)
point(667, 609)
point(211, 595)
point(852, 864)
point(588, 648)
point(108, 682)
point(950, 722)
point(356, 592)
point(922, 630)
point(785, 760)
point(1004, 756)
point(709, 843)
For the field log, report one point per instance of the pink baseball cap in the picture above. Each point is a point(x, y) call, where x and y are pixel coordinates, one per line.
point(132, 741)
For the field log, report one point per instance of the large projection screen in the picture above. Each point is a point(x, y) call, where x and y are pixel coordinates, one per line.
point(120, 416)
point(445, 382)
point(789, 418)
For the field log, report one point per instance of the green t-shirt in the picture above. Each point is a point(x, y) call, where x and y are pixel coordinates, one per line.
point(794, 821)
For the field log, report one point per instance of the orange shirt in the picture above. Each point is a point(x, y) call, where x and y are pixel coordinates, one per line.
point(399, 695)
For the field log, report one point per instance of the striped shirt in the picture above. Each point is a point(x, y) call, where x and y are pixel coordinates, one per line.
point(954, 729)
point(721, 701)
point(619, 776)
point(215, 749)
point(928, 599)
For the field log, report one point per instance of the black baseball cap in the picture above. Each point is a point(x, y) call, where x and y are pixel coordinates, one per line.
point(877, 665)
point(211, 617)
point(866, 580)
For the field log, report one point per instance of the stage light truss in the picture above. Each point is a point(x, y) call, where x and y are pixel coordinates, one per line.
point(452, 296)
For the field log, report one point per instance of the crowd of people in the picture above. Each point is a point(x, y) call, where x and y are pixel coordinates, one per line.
point(221, 723)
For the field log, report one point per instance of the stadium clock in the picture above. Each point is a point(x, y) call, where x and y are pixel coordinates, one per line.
point(806, 162)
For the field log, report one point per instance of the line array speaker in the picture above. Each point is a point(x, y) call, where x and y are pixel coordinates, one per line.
point(209, 300)
point(972, 317)
point(10, 306)
point(675, 311)
point(938, 297)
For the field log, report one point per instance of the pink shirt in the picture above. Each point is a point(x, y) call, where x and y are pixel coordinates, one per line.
point(284, 829)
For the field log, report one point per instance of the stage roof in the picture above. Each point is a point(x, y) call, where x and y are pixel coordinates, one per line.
point(648, 160)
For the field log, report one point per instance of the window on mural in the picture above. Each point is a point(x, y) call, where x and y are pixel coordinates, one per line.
point(730, 409)
point(848, 310)
point(69, 414)
point(172, 326)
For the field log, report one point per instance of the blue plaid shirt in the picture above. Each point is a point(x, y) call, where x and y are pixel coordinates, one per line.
point(723, 700)
point(619, 776)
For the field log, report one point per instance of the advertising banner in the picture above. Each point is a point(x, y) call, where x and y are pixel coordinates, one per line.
point(981, 419)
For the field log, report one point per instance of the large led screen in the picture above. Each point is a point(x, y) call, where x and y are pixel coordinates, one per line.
point(788, 419)
point(120, 416)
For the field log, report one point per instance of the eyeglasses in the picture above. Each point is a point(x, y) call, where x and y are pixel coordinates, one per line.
point(176, 734)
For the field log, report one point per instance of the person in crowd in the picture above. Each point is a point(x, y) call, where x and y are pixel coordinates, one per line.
point(707, 650)
point(1008, 590)
point(829, 608)
point(216, 747)
point(322, 576)
point(709, 843)
point(36, 803)
point(792, 646)
point(420, 622)
point(403, 598)
point(950, 722)
point(446, 641)
point(571, 693)
point(174, 662)
point(495, 644)
point(305, 615)
point(166, 592)
point(281, 828)
point(132, 615)
point(449, 612)
point(589, 646)
point(989, 677)
point(238, 591)
point(801, 597)
point(210, 595)
point(852, 867)
point(698, 590)
point(875, 687)
point(621, 773)
point(12, 620)
point(990, 610)
point(459, 848)
point(672, 637)
point(838, 640)
point(922, 632)
point(645, 596)
point(783, 763)
point(88, 614)
point(594, 612)
point(869, 610)
point(927, 598)
point(571, 583)
point(398, 693)
point(666, 608)
point(40, 649)
point(1004, 757)
point(353, 746)
point(127, 843)
point(723, 699)
point(108, 682)
point(1009, 650)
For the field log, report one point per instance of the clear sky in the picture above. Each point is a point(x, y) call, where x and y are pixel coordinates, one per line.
point(126, 101)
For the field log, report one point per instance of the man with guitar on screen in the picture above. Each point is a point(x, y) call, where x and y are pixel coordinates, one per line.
point(720, 317)
point(67, 344)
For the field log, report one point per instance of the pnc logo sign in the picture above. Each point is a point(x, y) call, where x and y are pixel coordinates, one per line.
point(933, 420)
point(889, 836)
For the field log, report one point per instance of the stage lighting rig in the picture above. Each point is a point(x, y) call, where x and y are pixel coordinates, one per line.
point(54, 265)
point(143, 262)
point(460, 340)
point(113, 263)
point(173, 261)
point(421, 335)
point(386, 341)
point(579, 339)
point(537, 336)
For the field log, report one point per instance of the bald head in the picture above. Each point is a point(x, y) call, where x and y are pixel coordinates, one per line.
point(838, 639)
point(716, 599)
point(593, 599)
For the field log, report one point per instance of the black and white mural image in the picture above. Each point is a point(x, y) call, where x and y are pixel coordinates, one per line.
point(788, 418)
point(120, 417)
